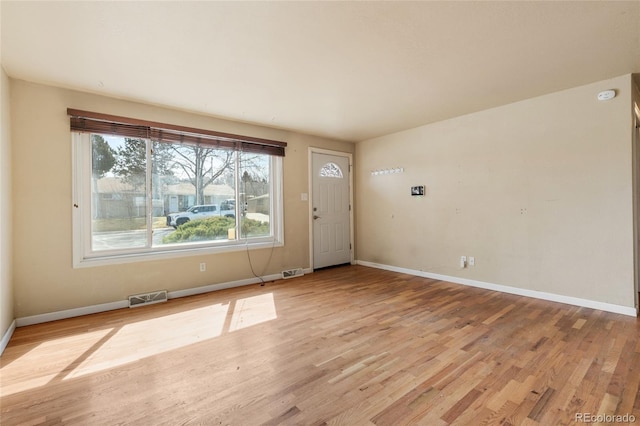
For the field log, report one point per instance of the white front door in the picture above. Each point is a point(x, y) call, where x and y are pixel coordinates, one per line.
point(330, 210)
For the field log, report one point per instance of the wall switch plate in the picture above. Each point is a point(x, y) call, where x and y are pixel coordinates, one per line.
point(472, 261)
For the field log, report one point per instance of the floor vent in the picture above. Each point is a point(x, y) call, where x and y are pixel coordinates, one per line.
point(147, 298)
point(291, 273)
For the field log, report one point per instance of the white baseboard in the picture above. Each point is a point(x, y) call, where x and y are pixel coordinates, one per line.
point(70, 313)
point(231, 284)
point(94, 309)
point(624, 310)
point(221, 286)
point(7, 336)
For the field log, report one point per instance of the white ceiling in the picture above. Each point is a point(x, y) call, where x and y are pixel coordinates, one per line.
point(345, 70)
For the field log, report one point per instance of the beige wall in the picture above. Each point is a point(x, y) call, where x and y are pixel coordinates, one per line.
point(539, 192)
point(6, 285)
point(44, 280)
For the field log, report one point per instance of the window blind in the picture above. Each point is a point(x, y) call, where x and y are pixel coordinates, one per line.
point(93, 122)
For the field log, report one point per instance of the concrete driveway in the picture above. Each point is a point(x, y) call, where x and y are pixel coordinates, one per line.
point(119, 240)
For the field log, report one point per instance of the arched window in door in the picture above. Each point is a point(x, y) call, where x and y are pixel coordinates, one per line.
point(331, 170)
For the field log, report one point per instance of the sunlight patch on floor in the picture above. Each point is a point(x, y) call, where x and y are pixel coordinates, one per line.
point(90, 352)
point(252, 311)
point(143, 339)
point(45, 361)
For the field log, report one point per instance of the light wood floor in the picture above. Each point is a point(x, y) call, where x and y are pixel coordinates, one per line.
point(347, 346)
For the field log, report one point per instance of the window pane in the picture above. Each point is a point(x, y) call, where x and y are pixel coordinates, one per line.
point(331, 170)
point(118, 187)
point(255, 175)
point(129, 191)
point(195, 187)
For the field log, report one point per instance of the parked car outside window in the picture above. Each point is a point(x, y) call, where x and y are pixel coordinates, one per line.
point(198, 212)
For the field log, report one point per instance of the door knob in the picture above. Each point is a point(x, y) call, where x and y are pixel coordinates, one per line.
point(316, 217)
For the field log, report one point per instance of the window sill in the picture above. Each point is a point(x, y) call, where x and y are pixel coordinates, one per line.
point(120, 258)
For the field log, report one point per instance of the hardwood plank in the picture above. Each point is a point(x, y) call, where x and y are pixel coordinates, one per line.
point(350, 345)
point(461, 405)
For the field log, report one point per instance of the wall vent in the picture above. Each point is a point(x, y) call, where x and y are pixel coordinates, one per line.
point(148, 298)
point(291, 273)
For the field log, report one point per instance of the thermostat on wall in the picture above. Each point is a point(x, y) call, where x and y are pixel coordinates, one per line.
point(606, 95)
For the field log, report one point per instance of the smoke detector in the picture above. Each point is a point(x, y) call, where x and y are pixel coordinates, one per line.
point(606, 95)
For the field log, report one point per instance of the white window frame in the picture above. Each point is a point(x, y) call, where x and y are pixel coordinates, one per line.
point(83, 256)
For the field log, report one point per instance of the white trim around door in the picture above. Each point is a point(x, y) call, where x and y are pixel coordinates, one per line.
point(349, 156)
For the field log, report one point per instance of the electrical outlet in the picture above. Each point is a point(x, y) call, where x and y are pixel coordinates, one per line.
point(472, 261)
point(203, 267)
point(463, 261)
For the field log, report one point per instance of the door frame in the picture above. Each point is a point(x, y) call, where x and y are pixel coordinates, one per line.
point(349, 156)
point(636, 205)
